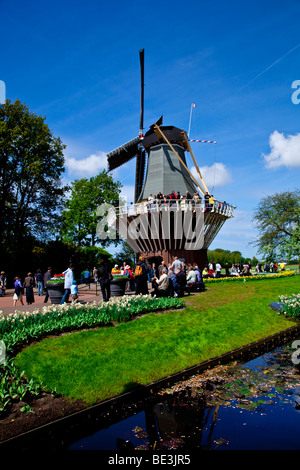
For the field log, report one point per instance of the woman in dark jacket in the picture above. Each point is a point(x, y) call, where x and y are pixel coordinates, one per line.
point(104, 280)
point(28, 286)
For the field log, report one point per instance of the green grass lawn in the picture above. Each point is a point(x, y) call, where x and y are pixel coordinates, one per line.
point(94, 365)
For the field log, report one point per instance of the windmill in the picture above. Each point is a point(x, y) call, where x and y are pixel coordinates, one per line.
point(166, 171)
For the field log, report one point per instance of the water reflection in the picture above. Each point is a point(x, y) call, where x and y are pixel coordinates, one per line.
point(248, 406)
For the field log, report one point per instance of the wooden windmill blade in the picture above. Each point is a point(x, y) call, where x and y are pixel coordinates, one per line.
point(123, 154)
point(133, 148)
point(140, 157)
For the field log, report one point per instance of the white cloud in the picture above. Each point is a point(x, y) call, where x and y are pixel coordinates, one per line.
point(86, 167)
point(285, 151)
point(237, 234)
point(127, 192)
point(215, 175)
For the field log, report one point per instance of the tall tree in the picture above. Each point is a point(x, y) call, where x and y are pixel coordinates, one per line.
point(278, 221)
point(81, 217)
point(31, 165)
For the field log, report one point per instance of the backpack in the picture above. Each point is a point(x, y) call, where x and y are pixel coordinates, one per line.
point(18, 289)
point(138, 270)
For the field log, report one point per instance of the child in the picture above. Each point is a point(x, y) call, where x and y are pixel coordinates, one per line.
point(18, 291)
point(74, 291)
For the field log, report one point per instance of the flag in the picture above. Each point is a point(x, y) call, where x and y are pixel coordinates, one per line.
point(193, 104)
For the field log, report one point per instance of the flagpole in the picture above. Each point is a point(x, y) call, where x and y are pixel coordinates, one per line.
point(192, 105)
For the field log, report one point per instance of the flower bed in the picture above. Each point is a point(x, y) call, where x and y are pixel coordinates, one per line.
point(21, 328)
point(57, 279)
point(254, 277)
point(290, 305)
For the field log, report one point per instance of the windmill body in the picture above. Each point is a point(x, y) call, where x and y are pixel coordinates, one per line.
point(165, 172)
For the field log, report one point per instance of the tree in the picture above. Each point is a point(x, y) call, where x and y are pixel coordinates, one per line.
point(80, 217)
point(225, 256)
point(277, 218)
point(31, 165)
point(126, 254)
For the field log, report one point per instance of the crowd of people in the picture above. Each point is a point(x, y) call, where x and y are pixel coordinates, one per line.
point(164, 279)
point(240, 269)
point(174, 199)
point(246, 269)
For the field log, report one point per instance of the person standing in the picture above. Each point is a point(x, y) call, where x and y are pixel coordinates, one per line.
point(39, 282)
point(104, 280)
point(28, 286)
point(176, 264)
point(47, 277)
point(3, 283)
point(69, 278)
point(18, 291)
point(218, 269)
point(188, 201)
point(74, 291)
point(130, 284)
point(87, 276)
point(153, 271)
point(227, 274)
point(141, 277)
point(95, 275)
point(161, 267)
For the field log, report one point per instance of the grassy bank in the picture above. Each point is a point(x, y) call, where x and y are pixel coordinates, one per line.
point(93, 365)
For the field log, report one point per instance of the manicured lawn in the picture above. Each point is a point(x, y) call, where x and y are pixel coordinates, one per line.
point(94, 365)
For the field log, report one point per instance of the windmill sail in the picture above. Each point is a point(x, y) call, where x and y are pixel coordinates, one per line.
point(123, 154)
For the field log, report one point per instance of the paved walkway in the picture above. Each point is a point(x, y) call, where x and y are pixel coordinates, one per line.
point(89, 293)
point(86, 294)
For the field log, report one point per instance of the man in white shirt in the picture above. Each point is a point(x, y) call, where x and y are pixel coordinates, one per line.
point(218, 269)
point(191, 277)
point(161, 285)
point(69, 278)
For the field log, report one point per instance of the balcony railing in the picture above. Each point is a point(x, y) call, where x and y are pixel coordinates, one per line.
point(183, 204)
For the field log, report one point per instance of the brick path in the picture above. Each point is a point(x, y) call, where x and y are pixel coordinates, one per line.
point(86, 294)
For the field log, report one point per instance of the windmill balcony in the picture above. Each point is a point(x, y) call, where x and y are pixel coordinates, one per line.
point(143, 207)
point(183, 228)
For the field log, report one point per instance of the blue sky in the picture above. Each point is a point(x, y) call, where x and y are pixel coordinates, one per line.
point(77, 63)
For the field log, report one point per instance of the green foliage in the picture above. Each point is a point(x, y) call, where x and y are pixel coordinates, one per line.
point(31, 193)
point(227, 256)
point(277, 218)
point(80, 218)
point(31, 165)
point(125, 254)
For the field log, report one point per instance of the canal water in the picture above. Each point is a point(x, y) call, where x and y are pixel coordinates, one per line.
point(250, 406)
